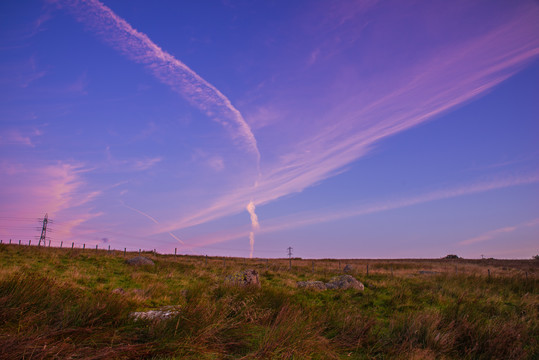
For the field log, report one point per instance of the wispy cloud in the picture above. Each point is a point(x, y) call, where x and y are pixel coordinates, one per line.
point(22, 73)
point(166, 68)
point(145, 164)
point(308, 218)
point(140, 164)
point(57, 189)
point(489, 235)
point(19, 137)
point(152, 219)
point(440, 82)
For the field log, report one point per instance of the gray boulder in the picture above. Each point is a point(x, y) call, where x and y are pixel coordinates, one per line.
point(162, 313)
point(140, 261)
point(247, 277)
point(311, 285)
point(342, 282)
point(348, 268)
point(345, 282)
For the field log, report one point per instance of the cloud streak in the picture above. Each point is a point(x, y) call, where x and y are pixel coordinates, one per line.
point(438, 83)
point(489, 235)
point(139, 48)
point(255, 226)
point(152, 219)
point(304, 219)
point(57, 189)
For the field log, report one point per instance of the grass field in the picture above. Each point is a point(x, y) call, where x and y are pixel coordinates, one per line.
point(59, 303)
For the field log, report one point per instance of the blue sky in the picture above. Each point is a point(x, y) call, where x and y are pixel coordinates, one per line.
point(347, 129)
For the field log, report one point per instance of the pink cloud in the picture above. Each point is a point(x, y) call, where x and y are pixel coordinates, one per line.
point(455, 75)
point(489, 235)
point(316, 217)
point(19, 137)
point(56, 189)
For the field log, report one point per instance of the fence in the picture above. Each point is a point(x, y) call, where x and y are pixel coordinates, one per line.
point(356, 267)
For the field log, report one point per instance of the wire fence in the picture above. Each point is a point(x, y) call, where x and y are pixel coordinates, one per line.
point(355, 267)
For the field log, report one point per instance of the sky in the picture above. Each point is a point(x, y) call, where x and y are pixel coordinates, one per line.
point(342, 129)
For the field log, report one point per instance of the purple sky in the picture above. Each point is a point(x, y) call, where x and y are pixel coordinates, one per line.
point(352, 129)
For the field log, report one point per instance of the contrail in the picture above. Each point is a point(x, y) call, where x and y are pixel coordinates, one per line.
point(138, 47)
point(153, 220)
point(254, 225)
point(179, 77)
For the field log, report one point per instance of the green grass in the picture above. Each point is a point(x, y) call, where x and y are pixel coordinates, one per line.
point(58, 303)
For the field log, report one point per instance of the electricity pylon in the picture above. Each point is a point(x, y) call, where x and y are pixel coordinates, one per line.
point(44, 230)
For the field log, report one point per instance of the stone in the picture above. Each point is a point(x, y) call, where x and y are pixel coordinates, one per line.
point(342, 282)
point(165, 312)
point(345, 282)
point(140, 261)
point(348, 268)
point(247, 277)
point(139, 292)
point(311, 285)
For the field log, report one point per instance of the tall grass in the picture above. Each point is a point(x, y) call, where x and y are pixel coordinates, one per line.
point(59, 304)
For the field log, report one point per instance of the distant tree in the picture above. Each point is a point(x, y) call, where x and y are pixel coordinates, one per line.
point(451, 256)
point(536, 257)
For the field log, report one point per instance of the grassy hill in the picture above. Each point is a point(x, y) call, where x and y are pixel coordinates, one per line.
point(59, 303)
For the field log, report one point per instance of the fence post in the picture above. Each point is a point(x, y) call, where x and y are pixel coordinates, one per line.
point(224, 262)
point(392, 271)
point(72, 245)
point(96, 248)
point(206, 260)
point(139, 250)
point(19, 241)
point(83, 246)
point(125, 251)
point(61, 243)
point(175, 251)
point(29, 242)
point(9, 241)
point(312, 265)
point(367, 269)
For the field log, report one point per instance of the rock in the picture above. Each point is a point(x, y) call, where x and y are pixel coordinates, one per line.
point(139, 261)
point(162, 313)
point(139, 292)
point(247, 277)
point(348, 268)
point(119, 291)
point(338, 282)
point(311, 285)
point(344, 282)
